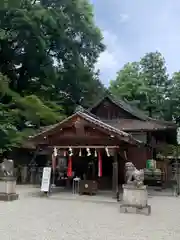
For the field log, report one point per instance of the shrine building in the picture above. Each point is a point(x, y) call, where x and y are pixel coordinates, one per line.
point(94, 144)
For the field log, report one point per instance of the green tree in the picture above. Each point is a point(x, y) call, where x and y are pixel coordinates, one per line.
point(7, 131)
point(127, 83)
point(49, 45)
point(77, 53)
point(23, 116)
point(48, 50)
point(154, 75)
point(172, 101)
point(145, 82)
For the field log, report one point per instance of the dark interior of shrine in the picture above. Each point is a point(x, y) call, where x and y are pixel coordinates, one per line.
point(86, 167)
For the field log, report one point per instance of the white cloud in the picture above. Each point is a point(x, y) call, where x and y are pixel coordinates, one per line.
point(124, 18)
point(106, 61)
point(112, 59)
point(108, 65)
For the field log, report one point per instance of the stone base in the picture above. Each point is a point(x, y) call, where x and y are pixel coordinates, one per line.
point(8, 197)
point(135, 199)
point(8, 189)
point(125, 208)
point(135, 196)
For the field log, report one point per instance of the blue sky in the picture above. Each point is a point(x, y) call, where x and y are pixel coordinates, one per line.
point(132, 28)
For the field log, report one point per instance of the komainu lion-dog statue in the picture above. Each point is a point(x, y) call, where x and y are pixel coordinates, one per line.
point(133, 175)
point(7, 168)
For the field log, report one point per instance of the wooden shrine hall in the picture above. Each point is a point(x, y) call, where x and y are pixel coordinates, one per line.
point(94, 144)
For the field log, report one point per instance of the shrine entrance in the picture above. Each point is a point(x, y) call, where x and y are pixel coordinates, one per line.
point(92, 166)
point(87, 167)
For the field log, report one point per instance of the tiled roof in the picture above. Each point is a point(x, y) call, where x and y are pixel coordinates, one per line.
point(124, 105)
point(118, 127)
point(89, 118)
point(102, 124)
point(126, 125)
point(134, 125)
point(142, 122)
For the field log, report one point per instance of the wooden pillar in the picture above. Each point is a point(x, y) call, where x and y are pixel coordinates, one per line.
point(33, 174)
point(115, 185)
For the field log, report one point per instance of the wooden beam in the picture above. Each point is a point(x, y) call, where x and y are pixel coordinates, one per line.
point(115, 187)
point(74, 141)
point(84, 146)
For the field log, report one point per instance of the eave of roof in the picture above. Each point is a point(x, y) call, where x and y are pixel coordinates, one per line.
point(123, 135)
point(131, 125)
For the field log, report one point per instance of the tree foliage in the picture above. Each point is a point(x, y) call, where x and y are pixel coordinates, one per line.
point(172, 101)
point(145, 82)
point(22, 116)
point(47, 45)
point(154, 75)
point(47, 54)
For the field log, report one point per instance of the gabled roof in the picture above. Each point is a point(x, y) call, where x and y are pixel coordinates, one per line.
point(110, 129)
point(126, 106)
point(134, 111)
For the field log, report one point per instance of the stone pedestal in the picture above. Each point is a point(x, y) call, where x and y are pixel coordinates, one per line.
point(135, 199)
point(8, 189)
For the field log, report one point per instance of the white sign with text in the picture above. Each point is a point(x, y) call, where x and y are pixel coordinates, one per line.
point(46, 179)
point(178, 135)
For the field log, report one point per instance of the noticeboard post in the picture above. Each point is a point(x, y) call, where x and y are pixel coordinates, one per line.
point(45, 184)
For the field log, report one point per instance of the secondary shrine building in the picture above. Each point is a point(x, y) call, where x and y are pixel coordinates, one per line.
point(95, 143)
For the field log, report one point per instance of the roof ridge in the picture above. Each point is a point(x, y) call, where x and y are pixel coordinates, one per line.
point(133, 110)
point(105, 124)
point(121, 103)
point(111, 128)
point(129, 108)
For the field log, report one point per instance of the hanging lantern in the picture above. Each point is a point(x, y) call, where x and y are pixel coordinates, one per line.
point(95, 153)
point(70, 151)
point(107, 151)
point(80, 153)
point(88, 152)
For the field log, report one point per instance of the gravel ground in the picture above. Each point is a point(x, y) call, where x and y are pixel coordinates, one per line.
point(31, 218)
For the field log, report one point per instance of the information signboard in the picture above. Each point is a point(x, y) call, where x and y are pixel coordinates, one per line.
point(45, 184)
point(178, 136)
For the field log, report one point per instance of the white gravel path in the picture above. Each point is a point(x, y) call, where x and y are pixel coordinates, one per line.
point(34, 218)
